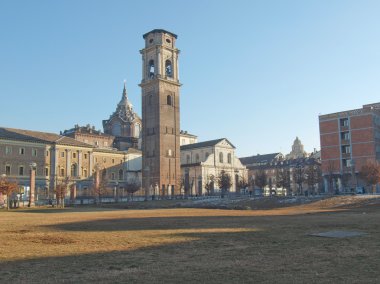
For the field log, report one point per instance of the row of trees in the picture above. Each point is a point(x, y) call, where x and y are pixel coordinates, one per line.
point(99, 189)
point(300, 175)
point(312, 177)
point(224, 182)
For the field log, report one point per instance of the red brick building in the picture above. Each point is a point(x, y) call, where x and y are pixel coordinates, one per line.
point(348, 140)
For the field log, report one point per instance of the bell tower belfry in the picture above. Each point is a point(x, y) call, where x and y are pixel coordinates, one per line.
point(161, 172)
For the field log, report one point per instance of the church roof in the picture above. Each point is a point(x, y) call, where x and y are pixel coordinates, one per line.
point(124, 109)
point(39, 137)
point(205, 144)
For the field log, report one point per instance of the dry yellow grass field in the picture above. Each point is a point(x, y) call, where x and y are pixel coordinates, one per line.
point(191, 245)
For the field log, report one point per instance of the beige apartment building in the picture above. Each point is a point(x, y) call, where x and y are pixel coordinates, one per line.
point(58, 157)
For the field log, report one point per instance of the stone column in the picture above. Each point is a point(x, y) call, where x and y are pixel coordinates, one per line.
point(68, 162)
point(80, 166)
point(159, 63)
point(73, 193)
point(32, 184)
point(90, 159)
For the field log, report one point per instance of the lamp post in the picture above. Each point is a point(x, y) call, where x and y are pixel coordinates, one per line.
point(32, 183)
point(115, 192)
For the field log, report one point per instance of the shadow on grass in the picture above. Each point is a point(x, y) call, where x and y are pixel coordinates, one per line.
point(223, 257)
point(166, 263)
point(174, 223)
point(65, 210)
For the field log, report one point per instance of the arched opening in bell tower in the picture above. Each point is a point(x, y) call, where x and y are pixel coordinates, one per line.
point(151, 69)
point(168, 68)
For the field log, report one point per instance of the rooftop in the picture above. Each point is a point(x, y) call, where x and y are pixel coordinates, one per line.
point(39, 137)
point(205, 144)
point(159, 31)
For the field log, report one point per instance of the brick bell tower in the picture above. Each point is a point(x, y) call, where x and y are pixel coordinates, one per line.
point(161, 172)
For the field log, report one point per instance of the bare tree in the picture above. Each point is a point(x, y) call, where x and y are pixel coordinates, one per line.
point(209, 184)
point(312, 178)
point(242, 183)
point(299, 177)
point(224, 182)
point(330, 175)
point(283, 179)
point(100, 184)
point(7, 188)
point(345, 178)
point(261, 179)
point(61, 190)
point(132, 186)
point(370, 173)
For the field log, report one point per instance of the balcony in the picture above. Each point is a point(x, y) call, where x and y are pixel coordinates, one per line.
point(346, 155)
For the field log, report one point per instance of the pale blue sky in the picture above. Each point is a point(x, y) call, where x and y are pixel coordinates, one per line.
point(255, 72)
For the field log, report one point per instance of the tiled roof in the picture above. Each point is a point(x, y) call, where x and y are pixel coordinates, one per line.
point(205, 144)
point(39, 137)
point(267, 158)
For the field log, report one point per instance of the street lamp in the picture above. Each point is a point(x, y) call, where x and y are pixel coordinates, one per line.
point(115, 192)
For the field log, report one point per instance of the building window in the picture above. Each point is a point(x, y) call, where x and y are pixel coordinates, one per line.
point(344, 122)
point(74, 170)
point(229, 158)
point(197, 158)
point(346, 149)
point(120, 174)
point(34, 152)
point(47, 153)
point(8, 170)
point(21, 171)
point(169, 100)
point(46, 172)
point(187, 159)
point(62, 154)
point(74, 155)
point(21, 151)
point(168, 68)
point(170, 152)
point(112, 176)
point(85, 172)
point(62, 172)
point(346, 163)
point(113, 161)
point(96, 143)
point(345, 135)
point(151, 69)
point(8, 150)
point(220, 157)
point(85, 156)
